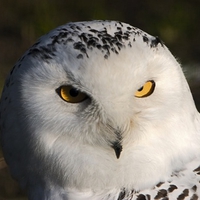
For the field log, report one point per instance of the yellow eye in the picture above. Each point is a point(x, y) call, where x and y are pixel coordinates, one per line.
point(146, 90)
point(71, 94)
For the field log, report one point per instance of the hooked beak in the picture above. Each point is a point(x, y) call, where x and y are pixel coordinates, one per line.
point(117, 144)
point(118, 149)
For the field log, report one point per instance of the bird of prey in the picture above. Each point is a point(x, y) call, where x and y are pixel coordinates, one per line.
point(101, 110)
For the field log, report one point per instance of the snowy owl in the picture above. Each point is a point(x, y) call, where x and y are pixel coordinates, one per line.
point(101, 110)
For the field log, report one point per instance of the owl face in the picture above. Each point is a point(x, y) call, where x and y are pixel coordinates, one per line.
point(108, 79)
point(93, 94)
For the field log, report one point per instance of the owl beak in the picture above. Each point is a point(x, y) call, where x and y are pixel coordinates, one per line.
point(117, 144)
point(118, 148)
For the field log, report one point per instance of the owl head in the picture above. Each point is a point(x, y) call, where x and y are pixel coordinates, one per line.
point(97, 104)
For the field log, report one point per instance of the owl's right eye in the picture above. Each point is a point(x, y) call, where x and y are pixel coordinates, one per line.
point(71, 94)
point(146, 90)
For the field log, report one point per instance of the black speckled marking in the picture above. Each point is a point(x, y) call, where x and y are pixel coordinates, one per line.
point(159, 184)
point(197, 169)
point(81, 47)
point(184, 194)
point(165, 198)
point(42, 52)
point(141, 197)
point(85, 37)
point(194, 197)
point(145, 39)
point(194, 188)
point(129, 44)
point(161, 193)
point(80, 56)
point(155, 42)
point(122, 195)
point(148, 197)
point(172, 188)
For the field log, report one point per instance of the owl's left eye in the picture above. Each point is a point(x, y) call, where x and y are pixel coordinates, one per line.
point(71, 94)
point(146, 90)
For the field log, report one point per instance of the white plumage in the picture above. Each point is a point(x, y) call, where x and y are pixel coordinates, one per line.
point(101, 111)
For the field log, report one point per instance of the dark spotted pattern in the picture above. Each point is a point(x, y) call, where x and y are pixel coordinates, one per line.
point(122, 195)
point(197, 169)
point(159, 184)
point(184, 194)
point(194, 197)
point(161, 193)
point(178, 187)
point(141, 197)
point(172, 188)
point(83, 37)
point(48, 52)
point(194, 188)
point(106, 36)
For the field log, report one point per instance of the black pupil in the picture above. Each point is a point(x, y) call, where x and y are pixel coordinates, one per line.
point(140, 89)
point(74, 92)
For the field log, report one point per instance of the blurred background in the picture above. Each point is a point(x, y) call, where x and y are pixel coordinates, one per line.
point(23, 21)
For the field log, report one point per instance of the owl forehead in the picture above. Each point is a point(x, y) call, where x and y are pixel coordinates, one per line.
point(97, 43)
point(80, 39)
